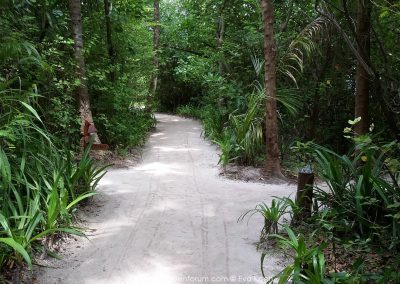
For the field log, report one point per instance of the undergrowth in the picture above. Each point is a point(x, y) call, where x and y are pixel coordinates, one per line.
point(41, 183)
point(353, 234)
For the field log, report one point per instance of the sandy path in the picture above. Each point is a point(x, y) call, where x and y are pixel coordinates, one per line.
point(170, 220)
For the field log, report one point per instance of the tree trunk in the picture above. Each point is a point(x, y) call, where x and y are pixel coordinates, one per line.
point(273, 167)
point(110, 45)
point(82, 90)
point(362, 76)
point(315, 105)
point(156, 48)
point(220, 39)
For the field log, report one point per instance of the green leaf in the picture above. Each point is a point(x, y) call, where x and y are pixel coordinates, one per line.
point(397, 216)
point(263, 255)
point(4, 223)
point(394, 205)
point(32, 110)
point(18, 248)
point(80, 198)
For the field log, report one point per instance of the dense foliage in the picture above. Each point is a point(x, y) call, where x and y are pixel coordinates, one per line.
point(37, 54)
point(336, 60)
point(41, 183)
point(114, 62)
point(212, 59)
point(353, 234)
point(43, 172)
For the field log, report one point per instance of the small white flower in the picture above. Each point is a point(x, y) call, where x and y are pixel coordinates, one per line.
point(347, 130)
point(371, 127)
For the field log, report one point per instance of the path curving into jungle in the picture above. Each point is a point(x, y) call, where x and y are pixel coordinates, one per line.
point(171, 219)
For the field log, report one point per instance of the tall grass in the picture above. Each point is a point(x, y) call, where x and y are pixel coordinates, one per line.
point(40, 184)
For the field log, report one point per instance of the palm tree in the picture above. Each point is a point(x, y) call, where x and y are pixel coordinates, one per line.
point(273, 165)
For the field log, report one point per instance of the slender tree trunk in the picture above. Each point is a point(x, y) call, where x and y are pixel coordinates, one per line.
point(289, 10)
point(220, 42)
point(315, 106)
point(220, 38)
point(110, 45)
point(156, 48)
point(273, 167)
point(362, 76)
point(82, 90)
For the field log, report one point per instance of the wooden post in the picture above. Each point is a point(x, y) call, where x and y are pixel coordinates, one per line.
point(304, 196)
point(88, 130)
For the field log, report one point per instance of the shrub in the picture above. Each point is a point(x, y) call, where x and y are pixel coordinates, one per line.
point(358, 212)
point(363, 187)
point(189, 111)
point(272, 214)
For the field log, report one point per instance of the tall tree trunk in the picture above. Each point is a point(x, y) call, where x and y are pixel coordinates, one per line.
point(110, 45)
point(273, 167)
point(156, 48)
point(82, 90)
point(362, 76)
point(315, 105)
point(220, 39)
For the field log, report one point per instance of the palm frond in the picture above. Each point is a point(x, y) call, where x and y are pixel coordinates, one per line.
point(304, 45)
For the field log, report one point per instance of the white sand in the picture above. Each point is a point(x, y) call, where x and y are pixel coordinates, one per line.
point(172, 219)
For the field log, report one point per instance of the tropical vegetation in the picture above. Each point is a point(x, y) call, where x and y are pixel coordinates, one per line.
point(280, 85)
point(63, 63)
